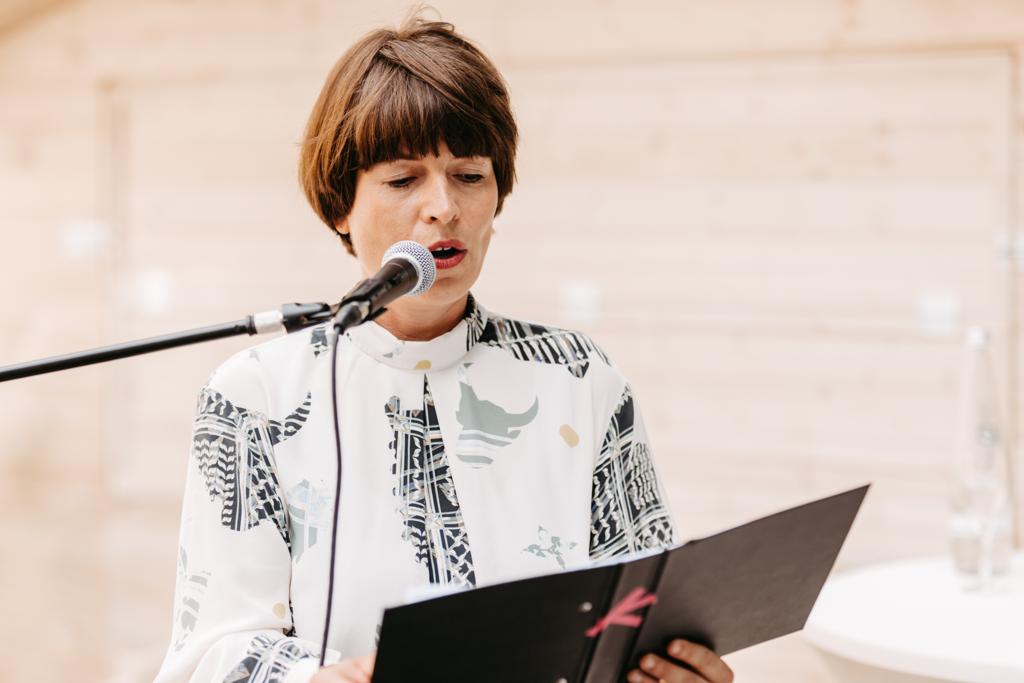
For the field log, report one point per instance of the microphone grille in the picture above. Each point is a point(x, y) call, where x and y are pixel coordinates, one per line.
point(421, 259)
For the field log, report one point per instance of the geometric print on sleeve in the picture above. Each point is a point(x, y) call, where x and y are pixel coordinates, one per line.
point(268, 660)
point(233, 448)
point(627, 512)
point(290, 425)
point(532, 342)
point(188, 590)
point(309, 511)
point(425, 493)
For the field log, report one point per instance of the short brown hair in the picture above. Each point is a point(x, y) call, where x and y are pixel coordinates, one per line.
point(400, 93)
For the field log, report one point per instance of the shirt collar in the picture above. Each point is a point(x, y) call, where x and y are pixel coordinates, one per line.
point(434, 354)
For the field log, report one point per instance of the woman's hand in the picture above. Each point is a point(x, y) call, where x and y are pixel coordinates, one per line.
point(706, 666)
point(351, 670)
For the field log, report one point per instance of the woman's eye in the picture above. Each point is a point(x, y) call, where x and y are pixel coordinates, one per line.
point(471, 177)
point(401, 182)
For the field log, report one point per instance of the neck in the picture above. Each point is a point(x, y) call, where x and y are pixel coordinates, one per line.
point(411, 320)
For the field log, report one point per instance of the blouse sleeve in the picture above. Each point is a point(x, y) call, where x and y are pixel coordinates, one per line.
point(628, 508)
point(232, 612)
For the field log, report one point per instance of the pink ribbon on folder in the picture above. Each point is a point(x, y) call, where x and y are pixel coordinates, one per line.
point(638, 598)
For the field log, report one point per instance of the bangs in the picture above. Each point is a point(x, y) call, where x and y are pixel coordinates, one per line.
point(400, 116)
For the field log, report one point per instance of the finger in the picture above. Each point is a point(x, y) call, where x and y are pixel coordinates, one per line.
point(638, 676)
point(669, 672)
point(705, 661)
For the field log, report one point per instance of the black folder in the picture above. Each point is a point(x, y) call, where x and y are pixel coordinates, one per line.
point(729, 591)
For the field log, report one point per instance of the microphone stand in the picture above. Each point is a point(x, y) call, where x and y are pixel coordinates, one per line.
point(289, 317)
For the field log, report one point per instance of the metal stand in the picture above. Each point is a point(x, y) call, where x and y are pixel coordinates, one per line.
point(289, 317)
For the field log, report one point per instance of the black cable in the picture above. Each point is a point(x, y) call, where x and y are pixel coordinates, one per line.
point(333, 339)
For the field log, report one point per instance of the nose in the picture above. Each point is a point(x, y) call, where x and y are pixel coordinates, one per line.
point(439, 204)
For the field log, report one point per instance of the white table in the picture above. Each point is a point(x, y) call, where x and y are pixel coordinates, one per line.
point(910, 621)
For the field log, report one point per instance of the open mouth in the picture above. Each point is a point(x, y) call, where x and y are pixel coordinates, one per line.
point(447, 253)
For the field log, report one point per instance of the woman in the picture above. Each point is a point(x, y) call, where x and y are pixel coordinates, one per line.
point(477, 448)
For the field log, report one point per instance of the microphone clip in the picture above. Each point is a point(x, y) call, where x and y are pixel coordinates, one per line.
point(296, 316)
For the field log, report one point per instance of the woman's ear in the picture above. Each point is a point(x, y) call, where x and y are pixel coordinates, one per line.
point(341, 227)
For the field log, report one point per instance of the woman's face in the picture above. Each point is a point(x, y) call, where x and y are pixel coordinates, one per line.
point(443, 202)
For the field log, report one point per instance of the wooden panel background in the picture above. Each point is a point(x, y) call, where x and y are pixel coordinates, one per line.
point(776, 217)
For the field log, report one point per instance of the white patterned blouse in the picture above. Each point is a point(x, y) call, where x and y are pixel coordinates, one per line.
point(498, 450)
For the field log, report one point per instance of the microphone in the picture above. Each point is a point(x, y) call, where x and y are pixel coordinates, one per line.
point(407, 268)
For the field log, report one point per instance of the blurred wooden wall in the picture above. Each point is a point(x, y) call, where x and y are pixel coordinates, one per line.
point(777, 217)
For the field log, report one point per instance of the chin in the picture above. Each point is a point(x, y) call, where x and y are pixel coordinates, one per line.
point(445, 292)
